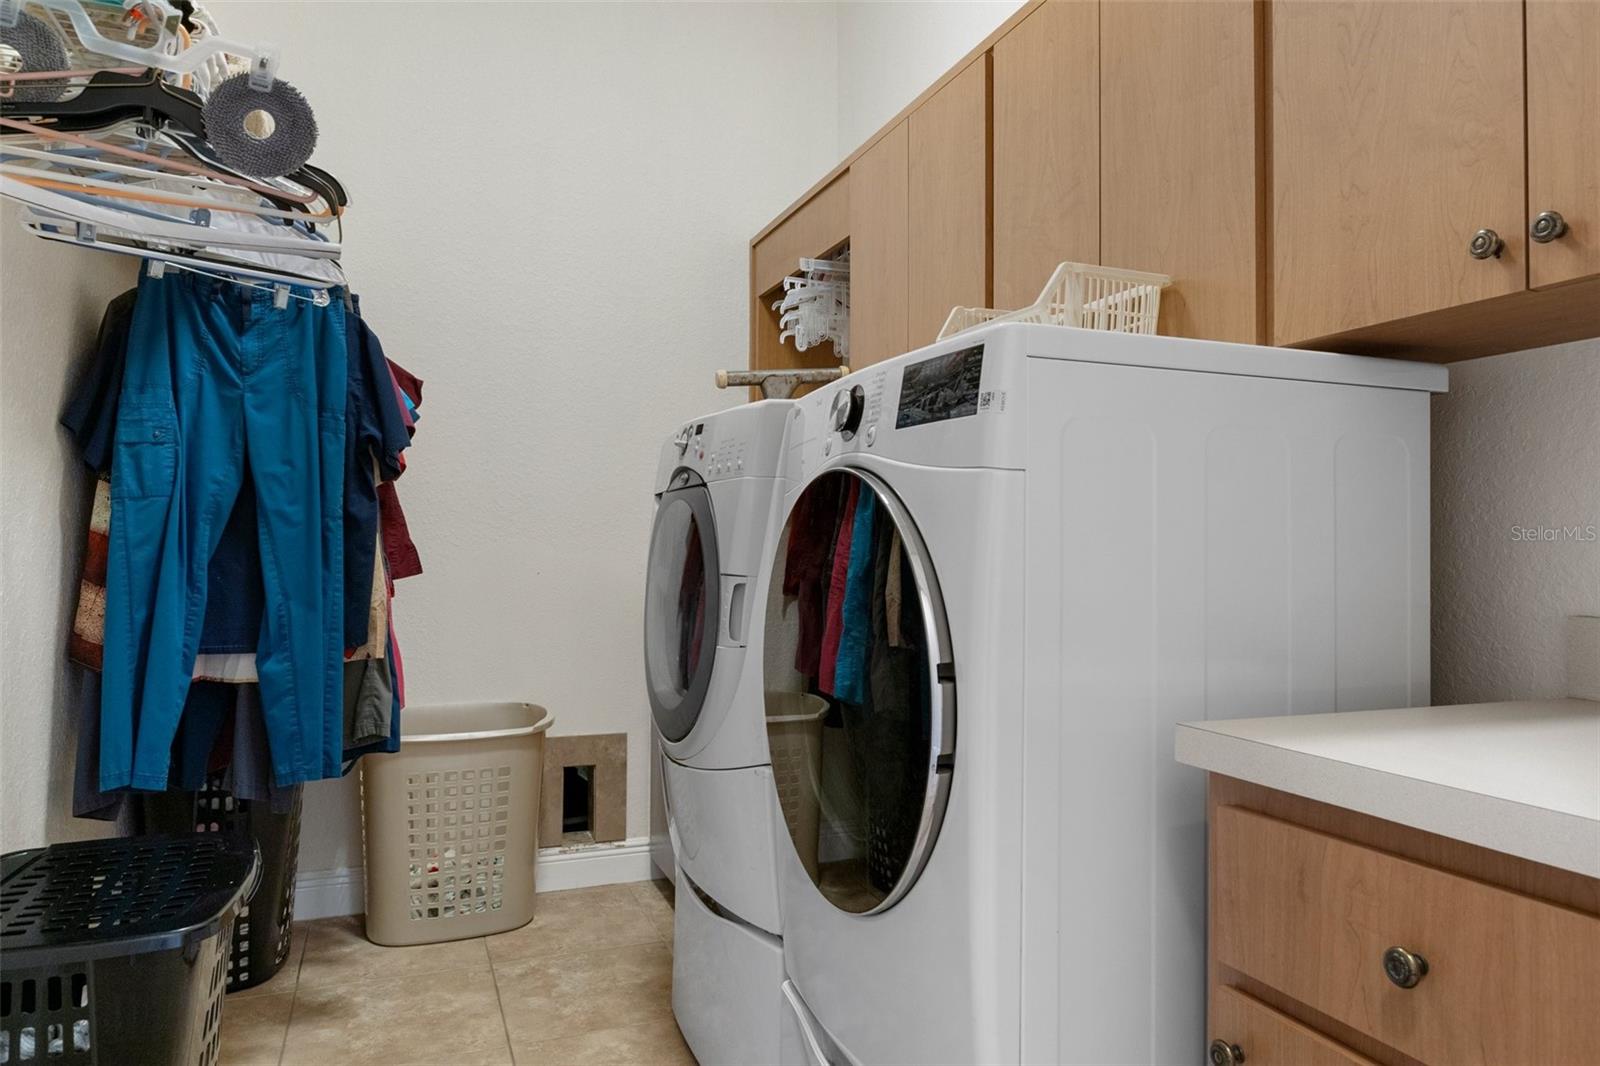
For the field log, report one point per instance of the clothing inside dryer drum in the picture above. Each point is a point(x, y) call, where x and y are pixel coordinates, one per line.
point(847, 674)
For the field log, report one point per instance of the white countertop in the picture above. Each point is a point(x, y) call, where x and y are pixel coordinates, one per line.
point(1522, 778)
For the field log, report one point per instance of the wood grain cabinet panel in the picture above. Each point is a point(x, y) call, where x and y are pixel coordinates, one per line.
point(815, 228)
point(1564, 136)
point(1179, 159)
point(879, 187)
point(1510, 979)
point(1046, 148)
point(1397, 133)
point(949, 202)
point(1267, 1038)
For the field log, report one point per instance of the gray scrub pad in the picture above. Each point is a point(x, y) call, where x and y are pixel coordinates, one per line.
point(40, 45)
point(294, 127)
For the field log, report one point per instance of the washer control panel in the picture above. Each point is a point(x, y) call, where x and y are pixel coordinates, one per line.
point(715, 455)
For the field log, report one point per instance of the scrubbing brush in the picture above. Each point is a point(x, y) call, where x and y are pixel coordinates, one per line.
point(263, 133)
point(39, 46)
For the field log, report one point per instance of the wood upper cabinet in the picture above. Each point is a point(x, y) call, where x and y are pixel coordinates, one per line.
point(1179, 152)
point(948, 237)
point(1397, 134)
point(1046, 148)
point(1564, 136)
point(879, 187)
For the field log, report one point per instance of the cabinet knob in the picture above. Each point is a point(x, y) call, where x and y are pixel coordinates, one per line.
point(1223, 1053)
point(1486, 244)
point(1404, 968)
point(1547, 226)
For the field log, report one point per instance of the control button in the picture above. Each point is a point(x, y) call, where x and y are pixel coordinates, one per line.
point(872, 435)
point(848, 407)
point(827, 447)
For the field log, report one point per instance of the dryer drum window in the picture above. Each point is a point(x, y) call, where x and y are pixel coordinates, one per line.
point(681, 606)
point(859, 701)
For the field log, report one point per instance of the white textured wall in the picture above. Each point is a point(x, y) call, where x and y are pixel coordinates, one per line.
point(1516, 447)
point(891, 50)
point(51, 299)
point(552, 210)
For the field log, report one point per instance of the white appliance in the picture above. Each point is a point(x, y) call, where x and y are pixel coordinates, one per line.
point(1080, 539)
point(718, 487)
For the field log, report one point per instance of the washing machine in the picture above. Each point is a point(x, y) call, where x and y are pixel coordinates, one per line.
point(719, 488)
point(1017, 559)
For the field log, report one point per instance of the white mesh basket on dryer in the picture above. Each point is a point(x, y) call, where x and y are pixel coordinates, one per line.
point(450, 823)
point(794, 738)
point(1081, 295)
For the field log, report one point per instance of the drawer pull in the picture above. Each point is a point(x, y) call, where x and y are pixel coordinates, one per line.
point(1404, 968)
point(1225, 1054)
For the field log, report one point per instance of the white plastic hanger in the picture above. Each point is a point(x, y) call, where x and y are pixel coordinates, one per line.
point(168, 53)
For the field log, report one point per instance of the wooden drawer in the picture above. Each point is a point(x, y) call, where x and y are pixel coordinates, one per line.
point(1263, 1037)
point(1511, 979)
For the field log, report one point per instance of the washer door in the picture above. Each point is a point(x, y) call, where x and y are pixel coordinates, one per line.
point(681, 605)
point(860, 691)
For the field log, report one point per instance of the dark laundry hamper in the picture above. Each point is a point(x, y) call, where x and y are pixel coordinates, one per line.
point(116, 950)
point(261, 937)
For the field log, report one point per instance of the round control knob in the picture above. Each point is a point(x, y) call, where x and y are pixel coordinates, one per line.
point(1223, 1053)
point(1404, 968)
point(848, 407)
point(1486, 244)
point(1547, 226)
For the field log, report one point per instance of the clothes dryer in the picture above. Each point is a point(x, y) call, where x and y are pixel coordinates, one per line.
point(1018, 558)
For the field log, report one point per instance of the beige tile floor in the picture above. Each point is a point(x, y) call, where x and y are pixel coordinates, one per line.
point(589, 980)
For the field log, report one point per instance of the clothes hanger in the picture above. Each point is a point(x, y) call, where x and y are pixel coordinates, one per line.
point(167, 52)
point(111, 96)
point(120, 160)
point(250, 276)
point(109, 141)
point(190, 80)
point(178, 230)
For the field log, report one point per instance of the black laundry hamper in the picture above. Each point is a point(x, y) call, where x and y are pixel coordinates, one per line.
point(261, 937)
point(115, 951)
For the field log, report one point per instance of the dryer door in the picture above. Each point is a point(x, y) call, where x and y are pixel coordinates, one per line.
point(681, 605)
point(860, 691)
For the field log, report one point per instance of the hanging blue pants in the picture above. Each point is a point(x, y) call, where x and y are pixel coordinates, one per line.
point(216, 373)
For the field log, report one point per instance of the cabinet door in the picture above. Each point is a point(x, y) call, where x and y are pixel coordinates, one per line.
point(879, 186)
point(1179, 159)
point(1046, 148)
point(949, 220)
point(1397, 133)
point(1564, 136)
point(1268, 1038)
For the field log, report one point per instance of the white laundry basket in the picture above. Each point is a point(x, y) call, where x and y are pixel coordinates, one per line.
point(450, 823)
point(794, 738)
point(1081, 295)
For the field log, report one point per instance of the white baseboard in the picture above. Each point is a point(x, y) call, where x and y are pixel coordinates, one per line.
point(594, 864)
point(336, 893)
point(329, 894)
